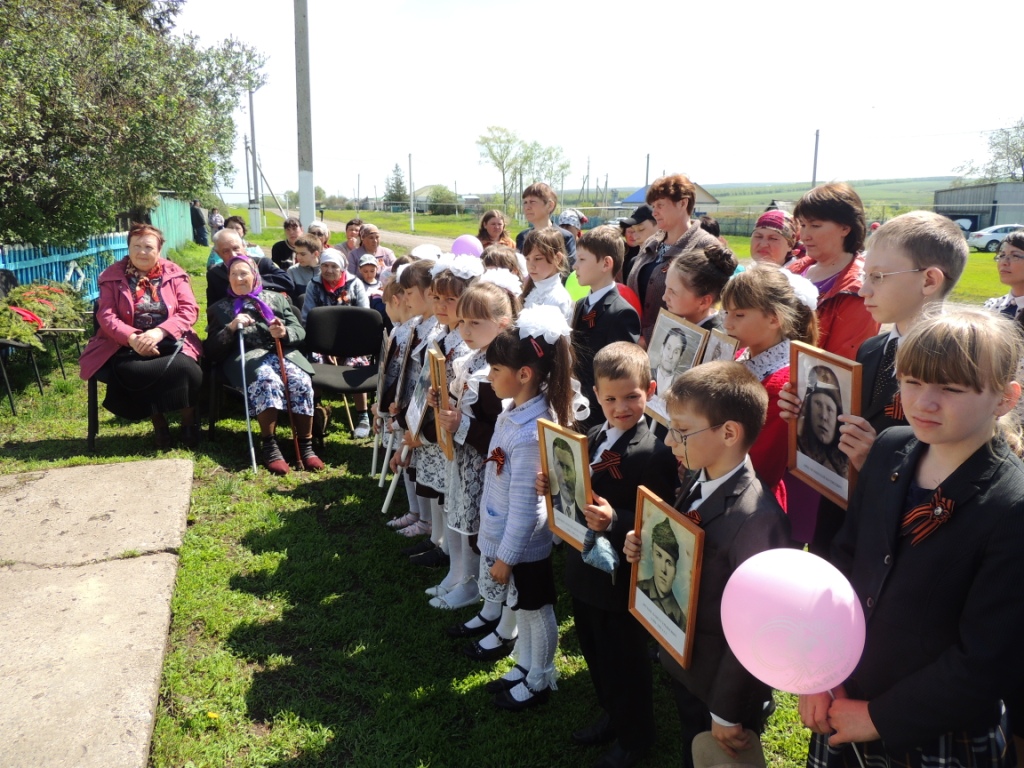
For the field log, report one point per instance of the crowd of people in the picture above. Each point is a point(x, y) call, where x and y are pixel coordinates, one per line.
point(930, 538)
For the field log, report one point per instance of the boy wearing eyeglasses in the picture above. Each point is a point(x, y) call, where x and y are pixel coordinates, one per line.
point(912, 263)
point(716, 412)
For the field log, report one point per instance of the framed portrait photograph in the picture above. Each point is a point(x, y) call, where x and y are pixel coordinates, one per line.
point(829, 387)
point(416, 411)
point(720, 346)
point(665, 581)
point(676, 346)
point(382, 364)
point(565, 460)
point(439, 381)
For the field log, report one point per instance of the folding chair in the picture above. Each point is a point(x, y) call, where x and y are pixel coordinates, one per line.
point(344, 332)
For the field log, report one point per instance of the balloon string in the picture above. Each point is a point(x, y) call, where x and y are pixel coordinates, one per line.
point(854, 746)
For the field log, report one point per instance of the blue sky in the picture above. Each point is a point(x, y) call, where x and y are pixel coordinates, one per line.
point(726, 92)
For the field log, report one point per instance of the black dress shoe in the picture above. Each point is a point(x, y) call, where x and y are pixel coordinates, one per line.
point(418, 548)
point(598, 732)
point(501, 684)
point(434, 558)
point(617, 757)
point(505, 700)
point(461, 630)
point(478, 653)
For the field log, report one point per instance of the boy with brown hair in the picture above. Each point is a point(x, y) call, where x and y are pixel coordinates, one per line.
point(539, 202)
point(716, 412)
point(603, 316)
point(624, 454)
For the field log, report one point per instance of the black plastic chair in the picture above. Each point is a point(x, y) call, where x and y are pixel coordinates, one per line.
point(9, 281)
point(344, 332)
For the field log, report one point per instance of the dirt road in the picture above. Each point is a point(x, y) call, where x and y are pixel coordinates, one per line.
point(393, 238)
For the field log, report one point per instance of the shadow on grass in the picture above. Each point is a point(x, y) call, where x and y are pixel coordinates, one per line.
point(361, 653)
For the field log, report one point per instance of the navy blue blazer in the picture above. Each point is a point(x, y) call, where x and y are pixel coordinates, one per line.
point(945, 618)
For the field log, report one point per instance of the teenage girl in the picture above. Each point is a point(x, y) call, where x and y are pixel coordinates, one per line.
point(546, 265)
point(484, 311)
point(531, 364)
point(1010, 263)
point(694, 283)
point(932, 545)
point(765, 308)
point(427, 461)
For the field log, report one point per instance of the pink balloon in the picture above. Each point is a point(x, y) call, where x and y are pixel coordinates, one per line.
point(793, 621)
point(467, 245)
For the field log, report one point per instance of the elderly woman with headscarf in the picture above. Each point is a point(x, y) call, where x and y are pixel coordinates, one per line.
point(774, 237)
point(369, 243)
point(144, 340)
point(262, 317)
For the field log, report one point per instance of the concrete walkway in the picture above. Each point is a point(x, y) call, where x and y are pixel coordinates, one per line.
point(88, 557)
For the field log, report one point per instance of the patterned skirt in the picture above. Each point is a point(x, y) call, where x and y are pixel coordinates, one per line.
point(266, 390)
point(991, 749)
point(465, 488)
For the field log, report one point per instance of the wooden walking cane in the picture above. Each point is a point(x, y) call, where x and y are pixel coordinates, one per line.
point(288, 403)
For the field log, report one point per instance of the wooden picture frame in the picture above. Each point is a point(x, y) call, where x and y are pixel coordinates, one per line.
point(563, 451)
point(719, 346)
point(382, 364)
point(439, 381)
point(828, 386)
point(672, 329)
point(666, 604)
point(416, 410)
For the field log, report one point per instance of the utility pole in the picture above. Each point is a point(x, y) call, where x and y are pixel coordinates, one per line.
point(307, 194)
point(255, 221)
point(814, 171)
point(412, 199)
point(647, 173)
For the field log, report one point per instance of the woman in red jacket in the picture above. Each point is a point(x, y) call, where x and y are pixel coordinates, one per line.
point(144, 342)
point(832, 230)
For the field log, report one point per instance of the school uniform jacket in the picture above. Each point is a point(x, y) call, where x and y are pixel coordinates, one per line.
point(945, 618)
point(870, 355)
point(644, 460)
point(740, 519)
point(614, 320)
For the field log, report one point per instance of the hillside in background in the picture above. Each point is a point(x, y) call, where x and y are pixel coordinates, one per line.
point(893, 193)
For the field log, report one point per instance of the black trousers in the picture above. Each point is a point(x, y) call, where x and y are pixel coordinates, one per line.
point(615, 647)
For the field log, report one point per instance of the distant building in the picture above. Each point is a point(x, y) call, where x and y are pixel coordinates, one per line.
point(983, 205)
point(703, 198)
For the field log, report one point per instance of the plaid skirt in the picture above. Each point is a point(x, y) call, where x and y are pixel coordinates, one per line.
point(992, 749)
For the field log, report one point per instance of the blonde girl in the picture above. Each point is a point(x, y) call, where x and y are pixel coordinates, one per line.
point(484, 310)
point(932, 545)
point(765, 308)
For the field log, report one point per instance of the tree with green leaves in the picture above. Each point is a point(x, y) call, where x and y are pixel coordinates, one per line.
point(502, 149)
point(1005, 161)
point(394, 187)
point(442, 200)
point(99, 110)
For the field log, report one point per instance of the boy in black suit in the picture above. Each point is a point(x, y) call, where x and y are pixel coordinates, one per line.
point(624, 454)
point(912, 263)
point(604, 316)
point(716, 412)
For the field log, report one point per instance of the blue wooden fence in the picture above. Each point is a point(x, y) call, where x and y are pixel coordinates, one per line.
point(81, 265)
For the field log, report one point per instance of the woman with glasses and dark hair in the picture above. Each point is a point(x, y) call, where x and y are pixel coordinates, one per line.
point(283, 251)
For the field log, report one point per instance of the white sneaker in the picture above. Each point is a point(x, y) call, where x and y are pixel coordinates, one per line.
point(362, 429)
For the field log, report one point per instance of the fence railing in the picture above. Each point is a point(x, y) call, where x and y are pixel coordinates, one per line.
point(80, 265)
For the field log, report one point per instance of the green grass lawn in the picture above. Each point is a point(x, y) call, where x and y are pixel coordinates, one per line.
point(299, 637)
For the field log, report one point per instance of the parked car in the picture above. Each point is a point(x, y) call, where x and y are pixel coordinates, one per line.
point(989, 238)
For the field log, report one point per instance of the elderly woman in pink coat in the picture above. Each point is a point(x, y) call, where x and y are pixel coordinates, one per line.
point(144, 344)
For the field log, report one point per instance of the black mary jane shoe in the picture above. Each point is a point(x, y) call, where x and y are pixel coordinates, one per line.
point(461, 630)
point(478, 653)
point(501, 684)
point(598, 732)
point(505, 700)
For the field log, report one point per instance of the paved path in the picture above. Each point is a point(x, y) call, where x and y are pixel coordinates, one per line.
point(88, 557)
